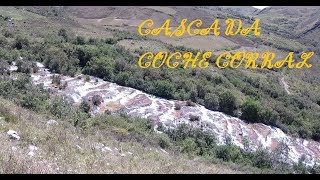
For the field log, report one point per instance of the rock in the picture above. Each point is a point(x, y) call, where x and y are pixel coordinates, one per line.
point(130, 153)
point(2, 121)
point(164, 151)
point(13, 135)
point(78, 147)
point(104, 149)
point(31, 153)
point(122, 155)
point(32, 148)
point(14, 148)
point(52, 122)
point(99, 146)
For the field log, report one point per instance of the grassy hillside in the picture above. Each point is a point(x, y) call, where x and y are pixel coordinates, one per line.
point(62, 148)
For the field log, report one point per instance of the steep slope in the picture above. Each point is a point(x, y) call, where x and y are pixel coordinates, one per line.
point(55, 146)
point(300, 22)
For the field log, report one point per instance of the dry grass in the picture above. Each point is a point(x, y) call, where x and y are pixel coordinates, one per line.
point(65, 149)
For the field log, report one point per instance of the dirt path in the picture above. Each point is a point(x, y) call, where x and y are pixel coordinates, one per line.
point(285, 85)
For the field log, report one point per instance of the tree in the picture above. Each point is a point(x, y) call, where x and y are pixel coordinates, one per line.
point(163, 89)
point(122, 78)
point(227, 102)
point(269, 116)
point(211, 101)
point(250, 111)
point(100, 67)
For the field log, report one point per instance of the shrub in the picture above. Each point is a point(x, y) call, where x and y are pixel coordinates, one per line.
point(163, 88)
point(80, 40)
point(87, 78)
point(4, 67)
point(250, 111)
point(119, 65)
point(211, 101)
point(164, 141)
point(122, 78)
point(56, 80)
point(63, 33)
point(59, 107)
point(227, 102)
point(3, 41)
point(177, 106)
point(262, 159)
point(96, 100)
point(194, 118)
point(190, 103)
point(229, 153)
point(189, 146)
point(6, 33)
point(85, 106)
point(21, 42)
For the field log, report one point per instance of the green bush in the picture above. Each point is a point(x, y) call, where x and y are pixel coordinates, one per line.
point(189, 146)
point(250, 111)
point(3, 41)
point(4, 67)
point(227, 103)
point(85, 106)
point(229, 153)
point(80, 40)
point(163, 89)
point(6, 33)
point(211, 101)
point(164, 141)
point(63, 33)
point(21, 42)
point(96, 100)
point(194, 117)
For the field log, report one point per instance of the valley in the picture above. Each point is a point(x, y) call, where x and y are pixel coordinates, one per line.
point(72, 91)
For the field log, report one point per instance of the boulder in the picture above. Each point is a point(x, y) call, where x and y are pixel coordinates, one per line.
point(13, 135)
